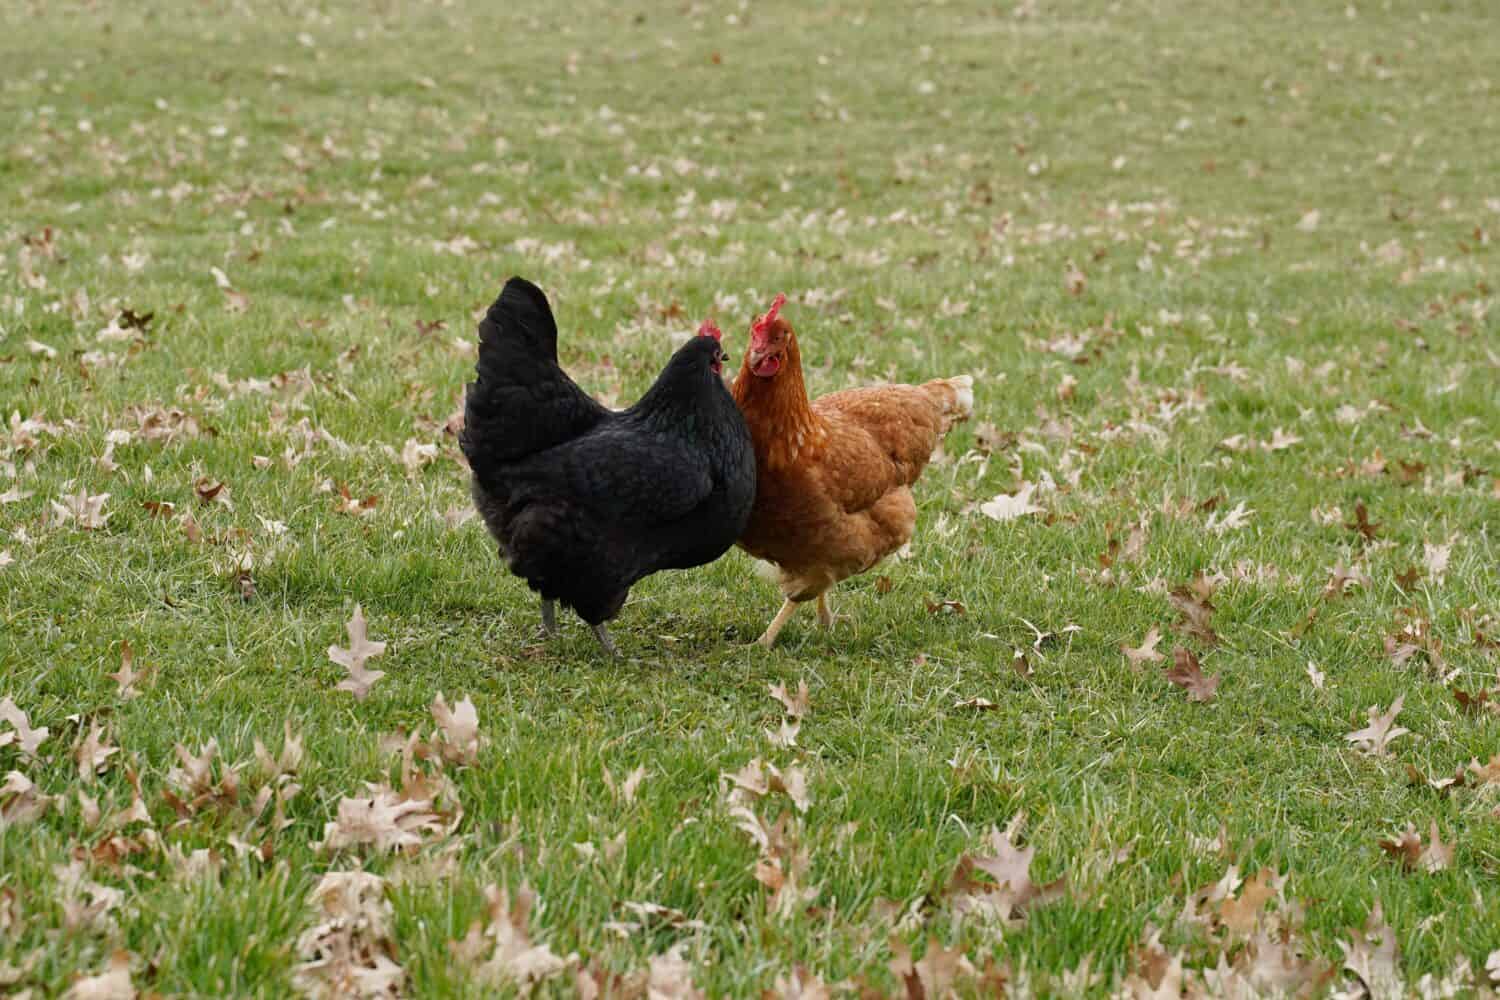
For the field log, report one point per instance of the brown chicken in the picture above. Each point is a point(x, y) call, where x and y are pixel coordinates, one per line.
point(834, 476)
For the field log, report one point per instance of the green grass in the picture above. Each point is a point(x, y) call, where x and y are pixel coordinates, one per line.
point(920, 180)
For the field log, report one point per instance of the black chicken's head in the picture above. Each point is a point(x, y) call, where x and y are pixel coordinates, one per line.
point(698, 362)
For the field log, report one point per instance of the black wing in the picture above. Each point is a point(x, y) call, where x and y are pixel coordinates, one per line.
point(630, 477)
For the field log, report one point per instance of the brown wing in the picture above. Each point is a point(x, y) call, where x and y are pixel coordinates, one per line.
point(879, 439)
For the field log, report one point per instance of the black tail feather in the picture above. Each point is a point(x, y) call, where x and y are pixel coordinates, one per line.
point(521, 402)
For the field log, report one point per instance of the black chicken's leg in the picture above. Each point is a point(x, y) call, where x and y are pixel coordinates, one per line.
point(602, 632)
point(549, 618)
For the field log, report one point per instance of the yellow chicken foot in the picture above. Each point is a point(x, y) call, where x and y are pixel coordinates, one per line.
point(768, 637)
point(826, 618)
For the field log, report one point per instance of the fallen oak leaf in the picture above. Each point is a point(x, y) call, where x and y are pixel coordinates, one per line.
point(785, 737)
point(82, 509)
point(353, 659)
point(1367, 529)
point(111, 984)
point(938, 974)
point(1487, 774)
point(1186, 673)
point(1241, 913)
point(212, 491)
point(758, 779)
point(1408, 849)
point(502, 951)
point(1441, 785)
point(288, 762)
point(1377, 736)
point(1197, 611)
point(1146, 651)
point(1435, 558)
point(1475, 703)
point(1012, 892)
point(626, 790)
point(20, 802)
point(350, 952)
point(1010, 507)
point(385, 820)
point(347, 503)
point(93, 753)
point(127, 676)
point(28, 738)
point(797, 704)
point(459, 729)
point(1408, 578)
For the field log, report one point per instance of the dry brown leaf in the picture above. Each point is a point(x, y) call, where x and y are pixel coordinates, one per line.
point(93, 753)
point(1188, 675)
point(28, 739)
point(1012, 892)
point(937, 975)
point(1372, 955)
point(502, 952)
point(353, 659)
point(193, 785)
point(458, 730)
point(1010, 507)
point(758, 779)
point(20, 802)
point(798, 704)
point(1146, 651)
point(288, 762)
point(1486, 774)
point(350, 952)
point(1377, 736)
point(1368, 530)
point(1197, 611)
point(1408, 849)
point(347, 503)
point(111, 984)
point(785, 737)
point(1435, 558)
point(670, 977)
point(1242, 914)
point(800, 984)
point(127, 676)
point(626, 790)
point(385, 821)
point(83, 510)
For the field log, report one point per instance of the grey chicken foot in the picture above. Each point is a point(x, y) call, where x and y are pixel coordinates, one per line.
point(601, 631)
point(549, 618)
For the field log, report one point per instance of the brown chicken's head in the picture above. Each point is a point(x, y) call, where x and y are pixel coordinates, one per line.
point(770, 340)
point(711, 329)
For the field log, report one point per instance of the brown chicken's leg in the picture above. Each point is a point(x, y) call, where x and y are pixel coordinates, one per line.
point(826, 618)
point(768, 637)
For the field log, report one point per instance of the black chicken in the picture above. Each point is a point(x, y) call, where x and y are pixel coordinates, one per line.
point(583, 500)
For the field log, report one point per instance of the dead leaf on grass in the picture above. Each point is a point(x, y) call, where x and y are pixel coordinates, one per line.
point(1186, 673)
point(353, 659)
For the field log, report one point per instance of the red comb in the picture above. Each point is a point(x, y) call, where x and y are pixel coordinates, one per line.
point(761, 324)
point(710, 329)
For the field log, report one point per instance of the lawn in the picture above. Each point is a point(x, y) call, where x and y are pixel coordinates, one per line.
point(1224, 274)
